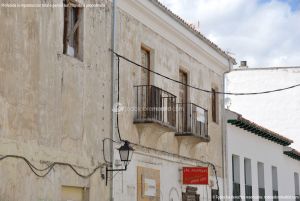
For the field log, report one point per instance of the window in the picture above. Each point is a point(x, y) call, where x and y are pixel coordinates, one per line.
point(248, 179)
point(74, 193)
point(296, 180)
point(236, 177)
point(261, 181)
point(214, 105)
point(214, 195)
point(73, 30)
point(275, 183)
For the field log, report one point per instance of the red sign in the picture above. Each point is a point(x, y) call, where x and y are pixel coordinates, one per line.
point(195, 175)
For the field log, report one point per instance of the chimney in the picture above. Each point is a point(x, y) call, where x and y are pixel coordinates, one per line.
point(243, 64)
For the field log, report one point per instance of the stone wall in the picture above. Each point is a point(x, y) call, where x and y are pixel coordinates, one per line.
point(53, 107)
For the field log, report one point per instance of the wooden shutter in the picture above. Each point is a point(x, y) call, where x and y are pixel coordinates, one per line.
point(145, 61)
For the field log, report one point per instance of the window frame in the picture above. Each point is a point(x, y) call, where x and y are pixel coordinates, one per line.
point(248, 178)
point(261, 180)
point(297, 185)
point(236, 177)
point(274, 173)
point(73, 32)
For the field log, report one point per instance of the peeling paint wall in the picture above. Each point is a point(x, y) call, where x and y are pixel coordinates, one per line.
point(57, 108)
point(167, 58)
point(52, 107)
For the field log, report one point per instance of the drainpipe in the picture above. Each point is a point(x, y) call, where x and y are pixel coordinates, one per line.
point(113, 87)
point(224, 138)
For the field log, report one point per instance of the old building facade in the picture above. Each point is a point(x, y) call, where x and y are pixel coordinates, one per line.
point(59, 83)
point(171, 125)
point(55, 99)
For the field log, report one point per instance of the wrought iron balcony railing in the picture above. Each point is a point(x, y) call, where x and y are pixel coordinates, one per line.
point(192, 120)
point(155, 105)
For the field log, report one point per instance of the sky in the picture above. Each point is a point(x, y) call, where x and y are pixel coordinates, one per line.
point(265, 33)
point(279, 111)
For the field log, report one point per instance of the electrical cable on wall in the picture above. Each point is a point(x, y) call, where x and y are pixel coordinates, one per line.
point(50, 167)
point(118, 99)
point(117, 114)
point(204, 90)
point(103, 147)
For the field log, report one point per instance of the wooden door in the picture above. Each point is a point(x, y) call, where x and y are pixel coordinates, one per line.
point(145, 61)
point(183, 98)
point(145, 92)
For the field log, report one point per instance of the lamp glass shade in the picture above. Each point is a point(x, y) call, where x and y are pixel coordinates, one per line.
point(124, 155)
point(126, 152)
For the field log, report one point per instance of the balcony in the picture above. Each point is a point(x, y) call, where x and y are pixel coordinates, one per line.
point(192, 121)
point(155, 105)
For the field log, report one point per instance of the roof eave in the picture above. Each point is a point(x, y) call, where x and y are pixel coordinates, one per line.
point(260, 131)
point(194, 31)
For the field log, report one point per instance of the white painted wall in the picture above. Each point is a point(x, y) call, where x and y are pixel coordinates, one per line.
point(125, 183)
point(258, 149)
point(279, 111)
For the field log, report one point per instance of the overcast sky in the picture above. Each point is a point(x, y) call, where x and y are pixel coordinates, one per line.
point(263, 32)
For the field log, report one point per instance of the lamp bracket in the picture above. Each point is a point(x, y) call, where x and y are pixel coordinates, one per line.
point(113, 170)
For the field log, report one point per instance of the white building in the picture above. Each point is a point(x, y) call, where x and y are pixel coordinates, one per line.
point(259, 161)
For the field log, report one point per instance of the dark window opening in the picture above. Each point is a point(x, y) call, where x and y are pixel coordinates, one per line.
point(73, 31)
point(183, 99)
point(214, 105)
point(236, 178)
point(275, 183)
point(261, 181)
point(215, 195)
point(248, 179)
point(297, 190)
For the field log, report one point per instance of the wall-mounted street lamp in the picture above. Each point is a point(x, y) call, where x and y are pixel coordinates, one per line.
point(126, 152)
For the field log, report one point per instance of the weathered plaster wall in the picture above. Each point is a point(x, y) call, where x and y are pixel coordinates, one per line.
point(171, 188)
point(167, 59)
point(52, 107)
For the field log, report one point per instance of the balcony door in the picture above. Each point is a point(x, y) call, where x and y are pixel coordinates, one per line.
point(183, 99)
point(145, 61)
point(151, 98)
